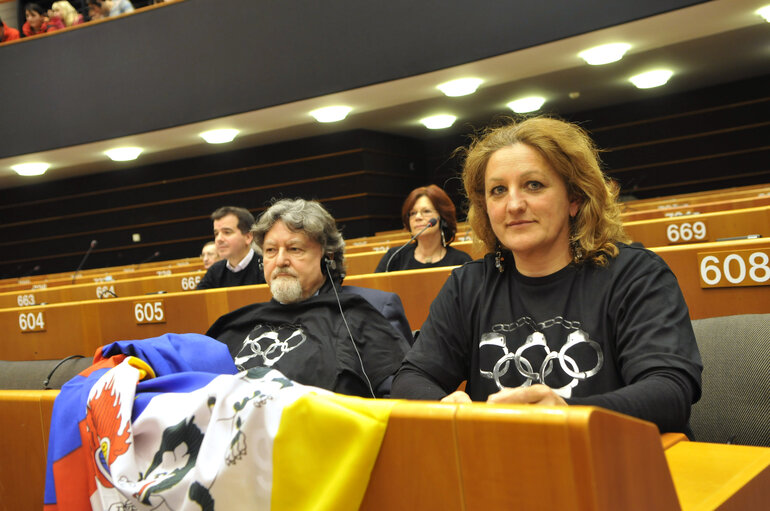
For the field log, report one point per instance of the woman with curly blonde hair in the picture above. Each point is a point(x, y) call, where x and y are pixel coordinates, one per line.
point(561, 310)
point(66, 13)
point(568, 149)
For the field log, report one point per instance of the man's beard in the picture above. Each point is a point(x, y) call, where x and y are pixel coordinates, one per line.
point(285, 289)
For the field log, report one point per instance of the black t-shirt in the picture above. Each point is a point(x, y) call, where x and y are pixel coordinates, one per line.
point(219, 276)
point(405, 260)
point(585, 331)
point(309, 343)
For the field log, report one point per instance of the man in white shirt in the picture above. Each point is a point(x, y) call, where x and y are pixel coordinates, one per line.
point(239, 264)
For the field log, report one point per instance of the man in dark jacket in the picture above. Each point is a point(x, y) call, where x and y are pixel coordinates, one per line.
point(239, 264)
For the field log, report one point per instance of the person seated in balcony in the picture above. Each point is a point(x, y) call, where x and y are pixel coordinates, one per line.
point(431, 249)
point(37, 21)
point(7, 33)
point(66, 13)
point(116, 7)
point(95, 10)
point(98, 9)
point(561, 311)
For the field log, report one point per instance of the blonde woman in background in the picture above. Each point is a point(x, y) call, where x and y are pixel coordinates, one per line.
point(64, 11)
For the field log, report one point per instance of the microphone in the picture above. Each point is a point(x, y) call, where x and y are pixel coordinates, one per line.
point(431, 223)
point(30, 272)
point(82, 261)
point(153, 256)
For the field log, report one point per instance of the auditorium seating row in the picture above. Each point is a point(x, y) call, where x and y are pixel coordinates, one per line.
point(104, 275)
point(128, 280)
point(717, 279)
point(687, 199)
point(655, 232)
point(668, 208)
point(653, 205)
point(708, 227)
point(697, 209)
point(457, 457)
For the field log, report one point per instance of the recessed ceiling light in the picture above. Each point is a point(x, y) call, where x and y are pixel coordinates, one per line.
point(651, 79)
point(460, 87)
point(764, 12)
point(528, 104)
point(31, 169)
point(331, 113)
point(219, 136)
point(438, 122)
point(124, 153)
point(605, 53)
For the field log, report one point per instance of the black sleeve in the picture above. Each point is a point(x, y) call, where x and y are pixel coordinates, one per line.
point(655, 347)
point(439, 358)
point(207, 282)
point(411, 383)
point(652, 324)
point(662, 397)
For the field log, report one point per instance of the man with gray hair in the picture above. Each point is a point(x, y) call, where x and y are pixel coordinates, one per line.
point(314, 330)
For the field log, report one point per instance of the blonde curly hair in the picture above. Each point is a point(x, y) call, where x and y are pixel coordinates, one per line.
point(573, 155)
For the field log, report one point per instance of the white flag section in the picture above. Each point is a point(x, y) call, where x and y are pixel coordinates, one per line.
point(253, 440)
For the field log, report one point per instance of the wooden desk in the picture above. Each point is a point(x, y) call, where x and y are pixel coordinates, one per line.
point(697, 209)
point(81, 327)
point(746, 295)
point(700, 228)
point(101, 278)
point(462, 457)
point(720, 476)
point(688, 199)
point(168, 282)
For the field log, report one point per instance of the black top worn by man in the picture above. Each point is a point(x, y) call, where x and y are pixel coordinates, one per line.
point(311, 331)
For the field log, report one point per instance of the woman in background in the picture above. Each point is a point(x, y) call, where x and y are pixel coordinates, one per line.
point(431, 248)
point(64, 11)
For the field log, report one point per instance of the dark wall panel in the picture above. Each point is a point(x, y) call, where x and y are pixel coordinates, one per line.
point(361, 176)
point(201, 59)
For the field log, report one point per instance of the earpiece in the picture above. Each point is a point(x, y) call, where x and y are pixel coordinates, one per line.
point(330, 263)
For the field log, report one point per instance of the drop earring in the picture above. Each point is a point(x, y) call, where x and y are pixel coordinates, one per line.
point(499, 260)
point(574, 243)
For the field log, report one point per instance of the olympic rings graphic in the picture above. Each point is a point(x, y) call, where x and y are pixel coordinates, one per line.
point(525, 367)
point(272, 353)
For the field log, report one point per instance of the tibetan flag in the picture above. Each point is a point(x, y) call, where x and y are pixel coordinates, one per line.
point(168, 423)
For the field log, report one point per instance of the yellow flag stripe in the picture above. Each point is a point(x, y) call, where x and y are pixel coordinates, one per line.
point(324, 451)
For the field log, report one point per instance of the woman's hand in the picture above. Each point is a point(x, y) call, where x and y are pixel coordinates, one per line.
point(537, 394)
point(458, 397)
